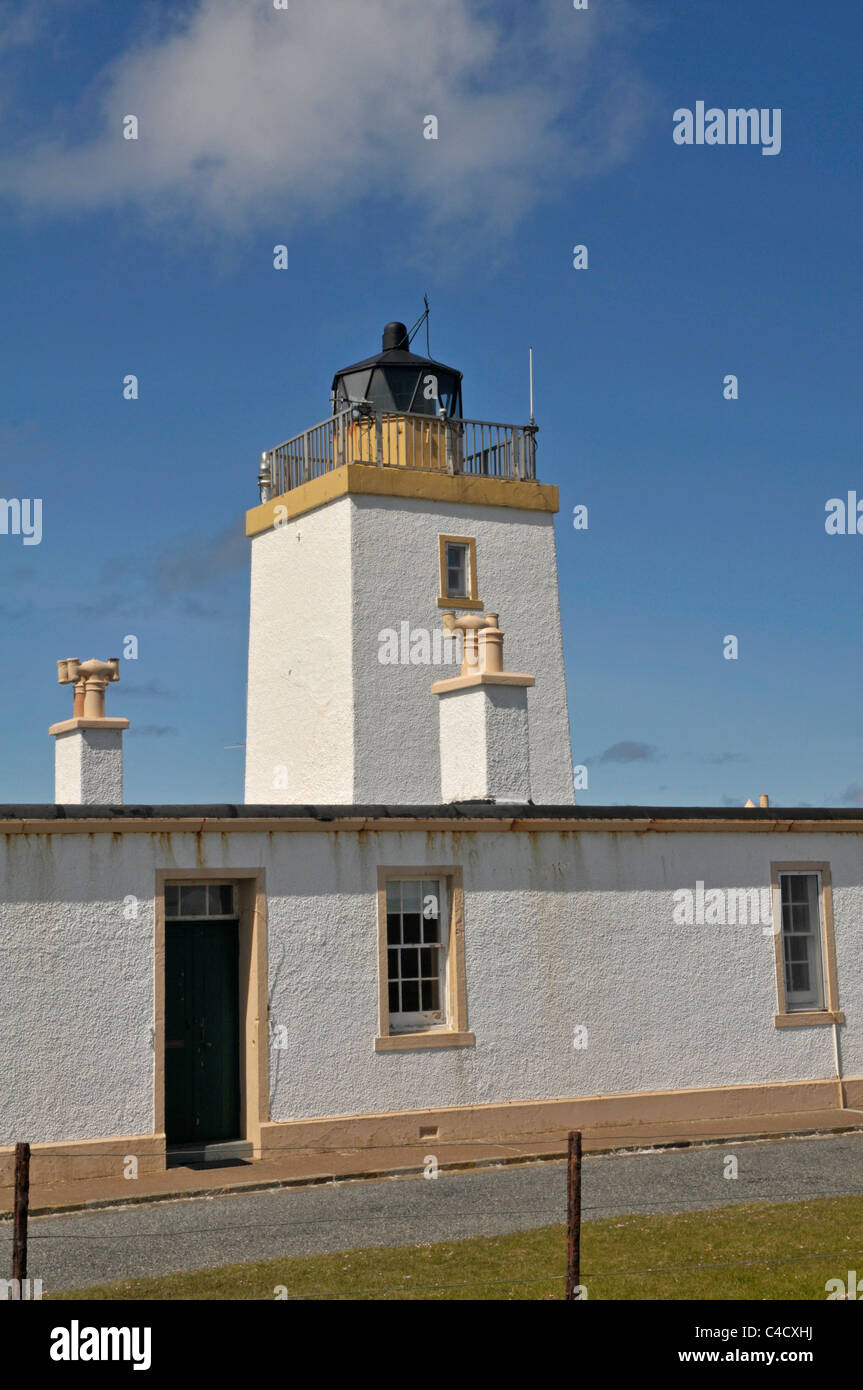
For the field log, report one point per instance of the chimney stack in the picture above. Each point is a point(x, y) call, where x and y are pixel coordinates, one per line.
point(88, 754)
point(484, 750)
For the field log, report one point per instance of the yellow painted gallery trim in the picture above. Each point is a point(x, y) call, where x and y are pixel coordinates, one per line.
point(369, 480)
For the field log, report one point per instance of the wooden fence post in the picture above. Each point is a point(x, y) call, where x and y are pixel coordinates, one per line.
point(22, 1202)
point(573, 1216)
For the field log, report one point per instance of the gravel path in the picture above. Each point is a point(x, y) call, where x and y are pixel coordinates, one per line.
point(83, 1249)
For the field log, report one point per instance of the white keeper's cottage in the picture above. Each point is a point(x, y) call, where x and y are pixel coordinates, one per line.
point(409, 928)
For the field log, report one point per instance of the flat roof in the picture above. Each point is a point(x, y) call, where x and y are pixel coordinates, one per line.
point(454, 811)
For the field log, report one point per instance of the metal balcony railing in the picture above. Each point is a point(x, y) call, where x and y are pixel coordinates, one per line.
point(429, 443)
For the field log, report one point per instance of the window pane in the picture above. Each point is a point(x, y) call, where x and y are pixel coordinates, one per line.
point(456, 570)
point(393, 929)
point(410, 964)
point(431, 930)
point(354, 386)
point(411, 926)
point(393, 964)
point(447, 391)
point(428, 964)
point(799, 975)
point(797, 888)
point(797, 948)
point(172, 899)
point(394, 999)
point(393, 388)
point(193, 900)
point(221, 896)
point(430, 995)
point(410, 996)
point(394, 895)
point(411, 894)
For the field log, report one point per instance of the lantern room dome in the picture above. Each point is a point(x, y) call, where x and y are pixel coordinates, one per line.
point(398, 381)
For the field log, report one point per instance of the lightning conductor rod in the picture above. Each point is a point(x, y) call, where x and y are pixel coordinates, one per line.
point(530, 373)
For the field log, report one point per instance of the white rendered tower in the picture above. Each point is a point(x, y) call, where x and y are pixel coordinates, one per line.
point(378, 528)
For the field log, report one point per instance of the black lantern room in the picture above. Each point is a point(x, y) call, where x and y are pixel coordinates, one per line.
point(399, 382)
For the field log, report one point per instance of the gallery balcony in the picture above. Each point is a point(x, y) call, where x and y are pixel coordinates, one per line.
point(427, 443)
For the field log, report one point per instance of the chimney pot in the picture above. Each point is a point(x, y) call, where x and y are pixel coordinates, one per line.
point(484, 745)
point(88, 752)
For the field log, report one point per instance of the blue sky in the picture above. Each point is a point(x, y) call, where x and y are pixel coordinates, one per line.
point(304, 127)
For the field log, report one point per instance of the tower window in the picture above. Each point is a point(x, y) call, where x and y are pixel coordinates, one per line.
point(457, 563)
point(458, 585)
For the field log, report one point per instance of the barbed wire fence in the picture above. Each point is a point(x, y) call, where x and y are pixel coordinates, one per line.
point(573, 1210)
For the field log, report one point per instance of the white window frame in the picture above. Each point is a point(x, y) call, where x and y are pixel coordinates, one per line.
point(431, 1029)
point(414, 1020)
point(815, 999)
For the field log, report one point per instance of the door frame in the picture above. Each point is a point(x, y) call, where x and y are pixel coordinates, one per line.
point(252, 1003)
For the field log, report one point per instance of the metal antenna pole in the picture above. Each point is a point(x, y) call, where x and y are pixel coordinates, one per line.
point(530, 371)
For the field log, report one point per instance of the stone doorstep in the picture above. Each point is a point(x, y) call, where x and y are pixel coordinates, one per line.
point(305, 1169)
point(223, 1151)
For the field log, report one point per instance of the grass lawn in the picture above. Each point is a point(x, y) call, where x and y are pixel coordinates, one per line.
point(633, 1257)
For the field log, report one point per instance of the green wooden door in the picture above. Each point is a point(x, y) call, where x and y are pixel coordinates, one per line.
point(202, 1092)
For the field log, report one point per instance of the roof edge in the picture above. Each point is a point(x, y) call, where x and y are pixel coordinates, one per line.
point(455, 811)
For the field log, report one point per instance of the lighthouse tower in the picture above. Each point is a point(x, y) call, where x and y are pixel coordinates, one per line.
point(381, 532)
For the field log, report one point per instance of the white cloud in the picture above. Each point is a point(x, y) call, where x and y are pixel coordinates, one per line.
point(19, 24)
point(245, 111)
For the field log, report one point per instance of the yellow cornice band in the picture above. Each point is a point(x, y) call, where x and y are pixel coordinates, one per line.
point(366, 478)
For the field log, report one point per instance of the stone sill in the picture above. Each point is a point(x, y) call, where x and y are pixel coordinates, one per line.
point(433, 1037)
point(808, 1018)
